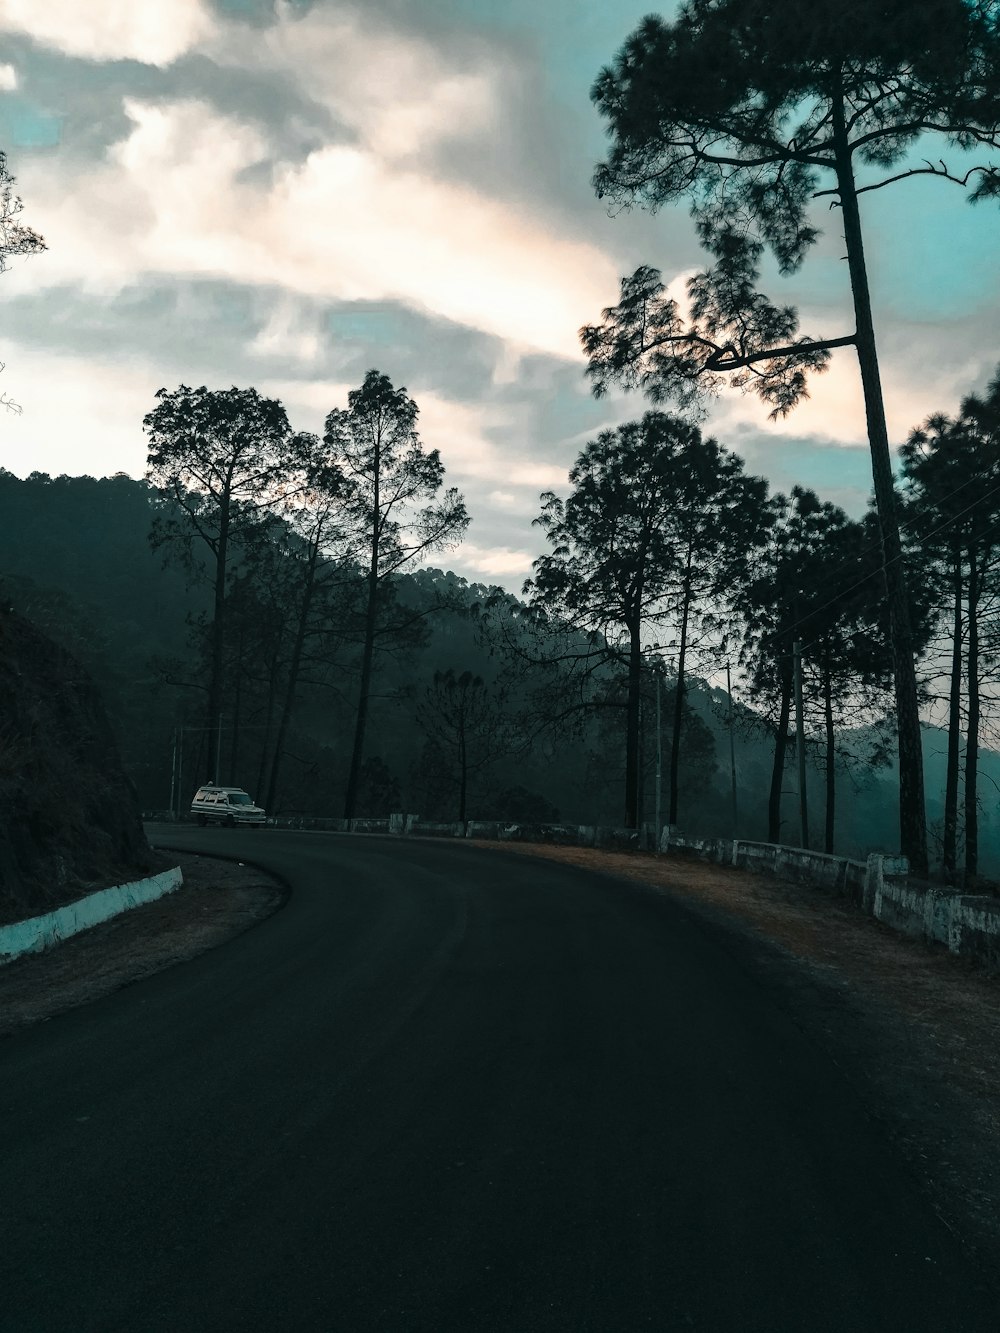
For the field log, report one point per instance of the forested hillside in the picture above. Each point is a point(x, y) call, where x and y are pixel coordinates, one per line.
point(462, 675)
point(69, 820)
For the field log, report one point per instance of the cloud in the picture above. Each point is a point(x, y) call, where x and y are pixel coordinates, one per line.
point(292, 331)
point(486, 443)
point(75, 412)
point(175, 197)
point(402, 95)
point(8, 78)
point(495, 560)
point(924, 369)
point(154, 32)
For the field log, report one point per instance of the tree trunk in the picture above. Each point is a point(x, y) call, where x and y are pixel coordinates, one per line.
point(463, 761)
point(778, 769)
point(368, 651)
point(364, 690)
point(632, 726)
point(234, 748)
point(972, 740)
point(272, 687)
point(294, 667)
point(675, 736)
point(949, 856)
point(912, 819)
point(213, 729)
point(831, 761)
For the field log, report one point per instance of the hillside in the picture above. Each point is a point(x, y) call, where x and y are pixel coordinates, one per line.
point(75, 561)
point(69, 817)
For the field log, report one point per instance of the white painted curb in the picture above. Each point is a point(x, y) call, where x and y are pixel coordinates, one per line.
point(42, 932)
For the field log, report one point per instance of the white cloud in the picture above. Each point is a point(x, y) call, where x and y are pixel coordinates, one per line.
point(155, 32)
point(173, 198)
point(78, 416)
point(8, 78)
point(307, 402)
point(291, 332)
point(916, 381)
point(466, 436)
point(495, 560)
point(538, 474)
point(400, 94)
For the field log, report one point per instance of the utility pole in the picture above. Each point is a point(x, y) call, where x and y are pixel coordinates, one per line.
point(800, 745)
point(732, 752)
point(640, 795)
point(173, 779)
point(659, 758)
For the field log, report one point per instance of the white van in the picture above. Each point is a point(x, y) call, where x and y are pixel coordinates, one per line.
point(226, 805)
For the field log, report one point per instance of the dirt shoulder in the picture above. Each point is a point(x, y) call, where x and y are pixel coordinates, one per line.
point(218, 900)
point(915, 1028)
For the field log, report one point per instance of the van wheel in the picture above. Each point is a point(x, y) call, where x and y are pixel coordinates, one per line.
point(202, 820)
point(230, 822)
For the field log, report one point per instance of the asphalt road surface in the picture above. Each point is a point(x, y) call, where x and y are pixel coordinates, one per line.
point(452, 1089)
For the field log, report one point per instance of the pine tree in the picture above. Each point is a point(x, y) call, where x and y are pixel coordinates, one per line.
point(753, 110)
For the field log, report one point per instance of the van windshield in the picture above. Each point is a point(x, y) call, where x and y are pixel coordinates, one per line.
point(239, 798)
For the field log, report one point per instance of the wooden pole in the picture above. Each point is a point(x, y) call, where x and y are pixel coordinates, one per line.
point(800, 745)
point(732, 753)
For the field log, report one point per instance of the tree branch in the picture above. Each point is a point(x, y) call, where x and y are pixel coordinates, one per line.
point(929, 170)
point(719, 360)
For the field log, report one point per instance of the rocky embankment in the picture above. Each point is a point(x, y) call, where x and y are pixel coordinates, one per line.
point(69, 818)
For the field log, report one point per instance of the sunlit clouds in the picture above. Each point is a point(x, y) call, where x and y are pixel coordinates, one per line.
point(498, 562)
point(178, 196)
point(290, 194)
point(155, 32)
point(834, 411)
point(399, 95)
point(78, 414)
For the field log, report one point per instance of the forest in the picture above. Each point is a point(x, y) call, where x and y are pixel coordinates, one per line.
point(266, 610)
point(266, 607)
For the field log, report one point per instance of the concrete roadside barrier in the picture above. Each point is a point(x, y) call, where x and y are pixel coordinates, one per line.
point(42, 932)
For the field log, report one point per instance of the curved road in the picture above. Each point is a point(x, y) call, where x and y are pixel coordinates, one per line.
point(452, 1089)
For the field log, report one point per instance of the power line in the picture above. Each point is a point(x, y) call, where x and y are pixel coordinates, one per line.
point(880, 572)
point(876, 546)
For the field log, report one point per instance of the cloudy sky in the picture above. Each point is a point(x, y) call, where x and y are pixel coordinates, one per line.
point(287, 194)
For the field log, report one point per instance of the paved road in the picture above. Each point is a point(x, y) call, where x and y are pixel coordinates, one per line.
point(452, 1089)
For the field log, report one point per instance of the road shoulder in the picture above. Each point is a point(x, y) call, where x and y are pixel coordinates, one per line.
point(218, 901)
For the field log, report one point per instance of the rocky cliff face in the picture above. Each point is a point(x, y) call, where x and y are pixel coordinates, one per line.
point(69, 818)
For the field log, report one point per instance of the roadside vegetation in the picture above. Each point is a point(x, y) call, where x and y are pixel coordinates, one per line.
point(265, 608)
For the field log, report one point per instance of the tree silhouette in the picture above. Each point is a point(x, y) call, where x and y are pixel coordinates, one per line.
point(952, 470)
point(392, 493)
point(313, 539)
point(659, 520)
point(814, 586)
point(744, 107)
point(463, 719)
point(846, 662)
point(219, 457)
point(15, 239)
